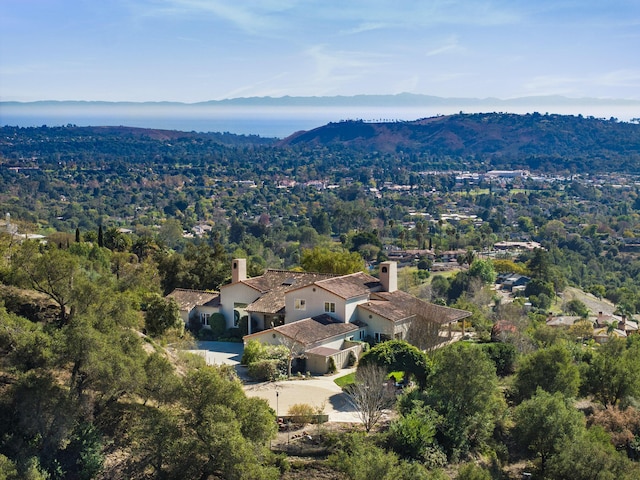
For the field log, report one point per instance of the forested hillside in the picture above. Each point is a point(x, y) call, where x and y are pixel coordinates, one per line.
point(496, 140)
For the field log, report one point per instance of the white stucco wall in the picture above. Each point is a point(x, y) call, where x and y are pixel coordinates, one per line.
point(315, 299)
point(375, 323)
point(232, 294)
point(195, 313)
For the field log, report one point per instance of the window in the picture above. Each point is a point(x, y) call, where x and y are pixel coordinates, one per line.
point(300, 304)
point(380, 337)
point(330, 307)
point(239, 312)
point(204, 318)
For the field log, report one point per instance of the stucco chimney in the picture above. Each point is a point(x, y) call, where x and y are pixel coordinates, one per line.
point(389, 276)
point(238, 270)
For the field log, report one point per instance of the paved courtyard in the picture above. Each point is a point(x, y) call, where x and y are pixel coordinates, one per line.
point(220, 353)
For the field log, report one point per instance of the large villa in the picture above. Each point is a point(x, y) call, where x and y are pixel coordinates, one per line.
point(321, 315)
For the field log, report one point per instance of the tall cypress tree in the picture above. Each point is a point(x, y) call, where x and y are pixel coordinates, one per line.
point(77, 235)
point(100, 237)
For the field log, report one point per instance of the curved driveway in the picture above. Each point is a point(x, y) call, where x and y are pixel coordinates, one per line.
point(317, 391)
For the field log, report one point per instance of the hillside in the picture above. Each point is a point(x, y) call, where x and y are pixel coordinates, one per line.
point(501, 140)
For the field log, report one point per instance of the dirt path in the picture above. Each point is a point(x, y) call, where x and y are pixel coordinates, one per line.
point(592, 303)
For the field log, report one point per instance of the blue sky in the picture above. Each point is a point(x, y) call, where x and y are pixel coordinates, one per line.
point(198, 50)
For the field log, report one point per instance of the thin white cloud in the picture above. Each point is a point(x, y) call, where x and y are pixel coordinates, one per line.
point(450, 45)
point(579, 85)
point(620, 78)
point(249, 16)
point(334, 68)
point(257, 89)
point(365, 27)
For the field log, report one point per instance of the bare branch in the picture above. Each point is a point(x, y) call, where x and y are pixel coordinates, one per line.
point(371, 395)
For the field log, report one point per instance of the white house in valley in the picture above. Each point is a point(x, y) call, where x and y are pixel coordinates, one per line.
point(328, 316)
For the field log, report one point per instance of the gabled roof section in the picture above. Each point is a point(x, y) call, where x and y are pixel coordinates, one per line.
point(273, 279)
point(273, 286)
point(189, 299)
point(399, 305)
point(314, 330)
point(349, 286)
point(393, 307)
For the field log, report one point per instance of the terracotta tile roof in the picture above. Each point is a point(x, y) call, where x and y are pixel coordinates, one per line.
point(274, 284)
point(189, 299)
point(349, 286)
point(276, 278)
point(322, 351)
point(399, 305)
point(314, 330)
point(393, 307)
point(563, 320)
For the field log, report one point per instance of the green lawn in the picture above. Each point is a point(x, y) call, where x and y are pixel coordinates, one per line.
point(346, 380)
point(351, 378)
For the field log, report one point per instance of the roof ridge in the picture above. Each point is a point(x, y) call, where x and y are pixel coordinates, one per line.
point(294, 271)
point(193, 290)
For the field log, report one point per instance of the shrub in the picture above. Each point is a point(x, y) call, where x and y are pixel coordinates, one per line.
point(503, 355)
point(332, 366)
point(352, 359)
point(411, 434)
point(471, 471)
point(218, 324)
point(233, 333)
point(263, 370)
point(302, 413)
point(253, 352)
point(205, 334)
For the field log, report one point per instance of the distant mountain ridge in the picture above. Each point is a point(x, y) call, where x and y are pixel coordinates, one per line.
point(399, 100)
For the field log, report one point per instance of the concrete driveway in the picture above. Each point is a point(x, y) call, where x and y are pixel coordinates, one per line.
point(317, 391)
point(220, 353)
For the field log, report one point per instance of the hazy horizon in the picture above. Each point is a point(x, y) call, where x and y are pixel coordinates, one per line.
point(266, 121)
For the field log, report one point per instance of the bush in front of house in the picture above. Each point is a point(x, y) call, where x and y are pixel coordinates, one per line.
point(332, 366)
point(256, 354)
point(264, 370)
point(253, 351)
point(352, 359)
point(218, 325)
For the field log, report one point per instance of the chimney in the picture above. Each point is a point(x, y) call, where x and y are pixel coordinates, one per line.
point(389, 276)
point(238, 270)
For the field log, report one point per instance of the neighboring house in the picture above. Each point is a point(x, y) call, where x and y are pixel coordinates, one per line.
point(196, 306)
point(605, 319)
point(605, 325)
point(630, 327)
point(603, 334)
point(563, 320)
point(621, 323)
point(324, 314)
point(513, 282)
point(503, 330)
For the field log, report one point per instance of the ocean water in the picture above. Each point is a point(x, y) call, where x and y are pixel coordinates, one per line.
point(277, 122)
